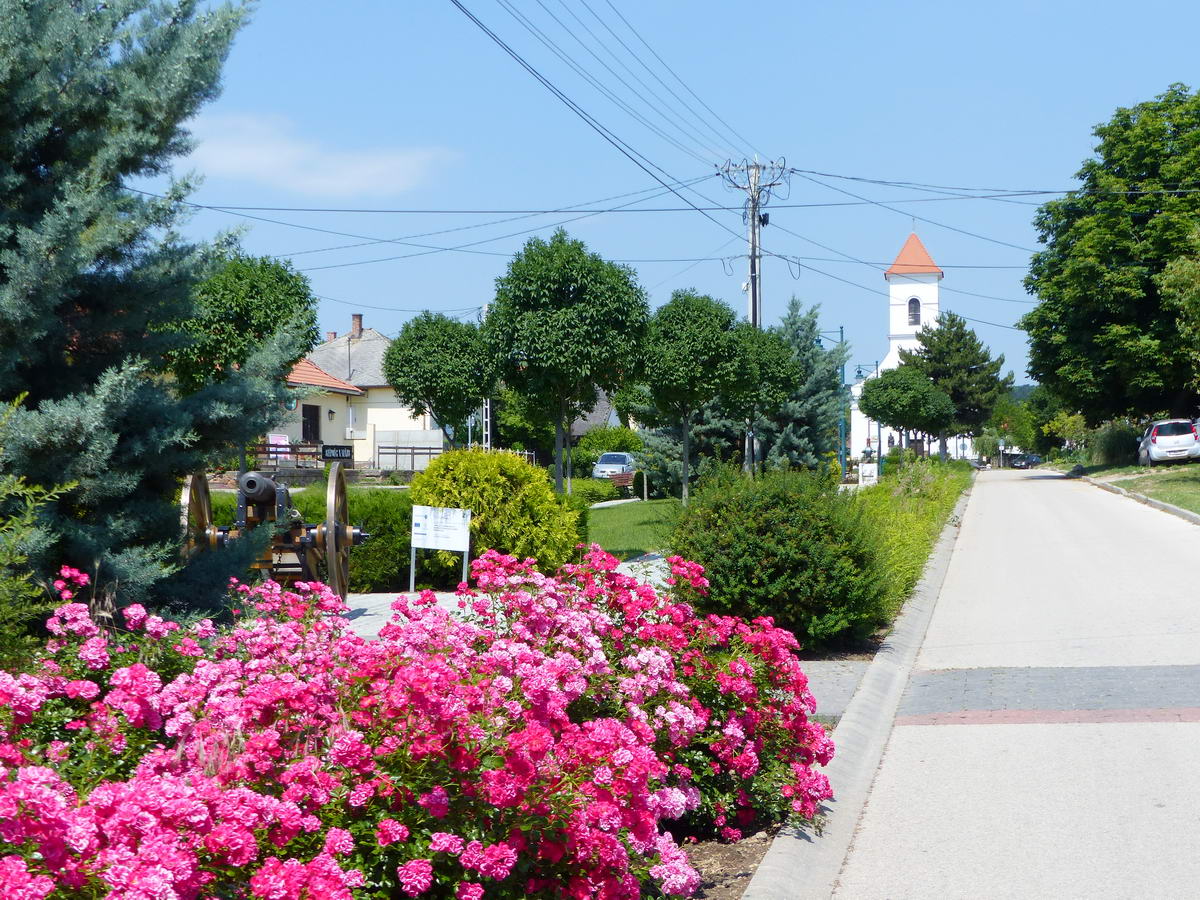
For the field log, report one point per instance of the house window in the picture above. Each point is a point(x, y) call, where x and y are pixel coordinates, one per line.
point(310, 423)
point(914, 311)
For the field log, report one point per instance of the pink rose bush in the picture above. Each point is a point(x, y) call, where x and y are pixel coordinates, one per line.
point(551, 740)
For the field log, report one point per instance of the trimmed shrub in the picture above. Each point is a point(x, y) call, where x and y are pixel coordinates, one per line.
point(602, 439)
point(380, 564)
point(513, 506)
point(593, 490)
point(786, 545)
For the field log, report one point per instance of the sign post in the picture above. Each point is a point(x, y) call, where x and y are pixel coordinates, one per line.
point(439, 528)
point(337, 452)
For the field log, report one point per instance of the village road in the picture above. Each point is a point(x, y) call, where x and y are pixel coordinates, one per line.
point(1048, 743)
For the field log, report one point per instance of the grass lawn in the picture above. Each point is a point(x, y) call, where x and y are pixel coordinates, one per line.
point(631, 529)
point(1177, 485)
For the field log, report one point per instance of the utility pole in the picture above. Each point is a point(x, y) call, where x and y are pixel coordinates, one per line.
point(757, 180)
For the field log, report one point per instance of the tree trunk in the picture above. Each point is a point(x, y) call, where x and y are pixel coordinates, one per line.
point(558, 450)
point(942, 448)
point(687, 435)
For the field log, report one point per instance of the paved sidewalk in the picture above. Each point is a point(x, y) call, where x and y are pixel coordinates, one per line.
point(1047, 742)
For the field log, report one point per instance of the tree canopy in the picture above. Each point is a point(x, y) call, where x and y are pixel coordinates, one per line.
point(1102, 336)
point(92, 275)
point(440, 367)
point(565, 325)
point(906, 399)
point(952, 356)
point(689, 358)
point(240, 307)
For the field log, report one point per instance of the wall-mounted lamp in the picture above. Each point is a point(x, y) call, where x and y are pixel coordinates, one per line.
point(332, 413)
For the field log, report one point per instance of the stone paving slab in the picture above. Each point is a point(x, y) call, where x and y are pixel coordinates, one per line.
point(833, 682)
point(1051, 688)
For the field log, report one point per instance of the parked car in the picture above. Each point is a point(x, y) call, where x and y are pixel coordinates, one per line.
point(1021, 461)
point(1168, 440)
point(612, 464)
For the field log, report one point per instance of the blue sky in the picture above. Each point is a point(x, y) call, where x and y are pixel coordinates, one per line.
point(374, 105)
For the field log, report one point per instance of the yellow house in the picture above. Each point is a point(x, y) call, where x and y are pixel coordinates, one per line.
point(384, 432)
point(322, 415)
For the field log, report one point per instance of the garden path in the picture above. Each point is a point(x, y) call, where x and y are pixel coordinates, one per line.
point(1045, 745)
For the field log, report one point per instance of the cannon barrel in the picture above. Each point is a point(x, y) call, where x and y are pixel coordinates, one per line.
point(256, 487)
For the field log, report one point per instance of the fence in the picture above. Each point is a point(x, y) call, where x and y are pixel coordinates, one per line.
point(274, 456)
point(393, 457)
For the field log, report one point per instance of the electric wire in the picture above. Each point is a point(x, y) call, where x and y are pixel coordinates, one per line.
point(684, 84)
point(706, 123)
point(663, 109)
point(587, 76)
point(624, 148)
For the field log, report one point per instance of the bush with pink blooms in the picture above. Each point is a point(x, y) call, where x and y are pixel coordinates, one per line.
point(549, 741)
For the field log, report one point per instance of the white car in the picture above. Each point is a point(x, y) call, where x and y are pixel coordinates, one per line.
point(612, 464)
point(1168, 440)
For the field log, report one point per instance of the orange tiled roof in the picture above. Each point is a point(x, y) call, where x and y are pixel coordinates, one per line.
point(306, 372)
point(914, 259)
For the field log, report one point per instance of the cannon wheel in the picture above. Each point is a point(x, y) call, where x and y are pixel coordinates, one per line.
point(195, 516)
point(338, 536)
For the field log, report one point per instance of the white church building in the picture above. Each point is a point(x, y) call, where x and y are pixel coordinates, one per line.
point(913, 284)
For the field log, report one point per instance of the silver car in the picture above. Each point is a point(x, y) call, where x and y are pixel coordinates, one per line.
point(612, 464)
point(1168, 440)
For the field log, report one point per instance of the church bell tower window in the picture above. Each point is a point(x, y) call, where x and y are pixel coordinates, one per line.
point(914, 311)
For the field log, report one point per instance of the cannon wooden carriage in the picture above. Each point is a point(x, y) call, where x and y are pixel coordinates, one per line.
point(299, 551)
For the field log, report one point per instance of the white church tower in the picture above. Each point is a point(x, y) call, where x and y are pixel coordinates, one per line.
point(912, 305)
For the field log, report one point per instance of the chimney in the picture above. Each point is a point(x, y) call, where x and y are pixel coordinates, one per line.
point(356, 326)
point(331, 335)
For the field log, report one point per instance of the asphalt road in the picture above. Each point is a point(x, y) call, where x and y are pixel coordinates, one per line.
point(1048, 742)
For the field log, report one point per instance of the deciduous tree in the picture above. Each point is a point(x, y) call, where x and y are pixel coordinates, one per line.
point(765, 373)
point(440, 367)
point(565, 325)
point(906, 399)
point(690, 354)
point(953, 357)
point(1102, 337)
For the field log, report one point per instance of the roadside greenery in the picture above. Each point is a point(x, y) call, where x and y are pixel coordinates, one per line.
point(906, 399)
point(598, 440)
point(633, 529)
point(904, 514)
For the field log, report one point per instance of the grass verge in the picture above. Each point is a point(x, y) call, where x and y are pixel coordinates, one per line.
point(632, 529)
point(1178, 485)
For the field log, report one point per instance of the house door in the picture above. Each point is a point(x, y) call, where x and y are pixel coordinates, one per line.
point(310, 424)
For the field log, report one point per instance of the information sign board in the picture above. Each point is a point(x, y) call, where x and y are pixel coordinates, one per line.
point(441, 528)
point(337, 451)
point(868, 473)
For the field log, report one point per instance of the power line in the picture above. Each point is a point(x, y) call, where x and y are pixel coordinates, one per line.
point(355, 303)
point(981, 237)
point(663, 109)
point(705, 123)
point(684, 84)
point(625, 149)
point(583, 73)
point(695, 263)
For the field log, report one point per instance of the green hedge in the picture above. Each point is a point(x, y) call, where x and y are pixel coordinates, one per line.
point(380, 564)
point(593, 490)
point(788, 545)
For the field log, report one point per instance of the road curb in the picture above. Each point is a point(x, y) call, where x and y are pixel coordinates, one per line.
point(800, 865)
point(1186, 514)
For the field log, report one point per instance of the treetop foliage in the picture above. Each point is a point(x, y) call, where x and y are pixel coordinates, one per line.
point(906, 399)
point(1102, 336)
point(953, 357)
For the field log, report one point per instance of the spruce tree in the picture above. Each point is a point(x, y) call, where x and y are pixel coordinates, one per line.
point(96, 285)
point(805, 427)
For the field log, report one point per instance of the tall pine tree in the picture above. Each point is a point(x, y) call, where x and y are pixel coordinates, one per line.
point(956, 361)
point(96, 285)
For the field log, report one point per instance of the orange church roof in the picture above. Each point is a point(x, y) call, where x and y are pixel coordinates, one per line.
point(308, 373)
point(914, 259)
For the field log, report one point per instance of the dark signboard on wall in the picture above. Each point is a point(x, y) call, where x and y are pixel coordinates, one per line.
point(337, 452)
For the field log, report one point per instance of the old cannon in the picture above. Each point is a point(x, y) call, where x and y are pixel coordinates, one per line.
point(299, 551)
